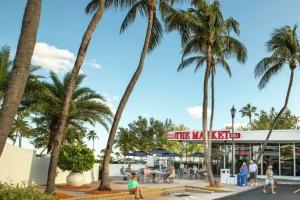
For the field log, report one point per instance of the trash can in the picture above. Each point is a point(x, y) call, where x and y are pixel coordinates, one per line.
point(225, 174)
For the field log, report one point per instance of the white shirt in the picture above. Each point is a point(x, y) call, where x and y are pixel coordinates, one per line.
point(253, 167)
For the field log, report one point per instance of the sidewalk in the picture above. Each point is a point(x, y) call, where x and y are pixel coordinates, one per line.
point(186, 189)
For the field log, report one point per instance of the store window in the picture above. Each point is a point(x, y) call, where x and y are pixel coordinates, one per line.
point(297, 151)
point(287, 159)
point(255, 149)
point(242, 154)
point(271, 157)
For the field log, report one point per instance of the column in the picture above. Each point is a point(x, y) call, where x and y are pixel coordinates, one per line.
point(261, 161)
point(233, 162)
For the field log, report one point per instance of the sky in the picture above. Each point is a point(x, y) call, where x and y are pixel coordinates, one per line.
point(161, 91)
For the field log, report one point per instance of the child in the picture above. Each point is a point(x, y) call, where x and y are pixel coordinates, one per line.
point(134, 187)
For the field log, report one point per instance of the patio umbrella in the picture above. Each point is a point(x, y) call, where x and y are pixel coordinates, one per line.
point(170, 154)
point(160, 151)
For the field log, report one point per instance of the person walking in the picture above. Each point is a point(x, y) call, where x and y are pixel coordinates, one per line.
point(253, 169)
point(269, 180)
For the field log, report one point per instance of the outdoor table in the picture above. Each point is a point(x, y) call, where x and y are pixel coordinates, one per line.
point(158, 175)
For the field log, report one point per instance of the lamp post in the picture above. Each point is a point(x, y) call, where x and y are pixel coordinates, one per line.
point(232, 110)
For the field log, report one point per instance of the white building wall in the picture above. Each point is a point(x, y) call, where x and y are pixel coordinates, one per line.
point(18, 165)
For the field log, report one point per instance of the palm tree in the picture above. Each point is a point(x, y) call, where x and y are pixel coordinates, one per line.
point(21, 126)
point(153, 36)
point(5, 65)
point(97, 7)
point(248, 111)
point(86, 107)
point(92, 135)
point(20, 70)
point(284, 46)
point(206, 33)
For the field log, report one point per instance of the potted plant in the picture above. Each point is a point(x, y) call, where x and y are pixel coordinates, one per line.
point(76, 159)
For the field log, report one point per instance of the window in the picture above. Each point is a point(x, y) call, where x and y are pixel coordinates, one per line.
point(297, 151)
point(271, 157)
point(287, 159)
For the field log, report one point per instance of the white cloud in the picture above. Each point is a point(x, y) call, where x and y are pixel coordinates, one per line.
point(56, 59)
point(196, 112)
point(110, 101)
point(94, 64)
point(52, 58)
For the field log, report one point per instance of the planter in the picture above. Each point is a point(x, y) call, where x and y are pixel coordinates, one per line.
point(75, 179)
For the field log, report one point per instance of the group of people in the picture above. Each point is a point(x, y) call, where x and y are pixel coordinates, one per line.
point(253, 169)
point(191, 171)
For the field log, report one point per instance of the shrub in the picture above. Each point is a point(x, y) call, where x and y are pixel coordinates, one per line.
point(76, 158)
point(12, 192)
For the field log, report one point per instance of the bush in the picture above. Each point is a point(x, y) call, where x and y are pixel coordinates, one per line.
point(13, 192)
point(76, 158)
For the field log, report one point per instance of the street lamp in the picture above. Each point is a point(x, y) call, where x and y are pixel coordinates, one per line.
point(232, 110)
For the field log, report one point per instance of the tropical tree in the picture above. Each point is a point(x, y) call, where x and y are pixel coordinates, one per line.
point(92, 135)
point(5, 65)
point(21, 127)
point(284, 46)
point(248, 111)
point(147, 8)
point(20, 69)
point(206, 33)
point(86, 107)
point(97, 8)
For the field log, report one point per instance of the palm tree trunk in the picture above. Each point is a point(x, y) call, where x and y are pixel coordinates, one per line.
point(204, 118)
point(52, 129)
point(20, 139)
point(105, 182)
point(212, 106)
point(93, 144)
point(20, 70)
point(278, 115)
point(68, 96)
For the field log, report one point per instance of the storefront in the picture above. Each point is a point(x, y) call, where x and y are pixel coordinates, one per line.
point(282, 151)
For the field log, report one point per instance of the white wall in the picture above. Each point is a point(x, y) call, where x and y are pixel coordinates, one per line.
point(18, 165)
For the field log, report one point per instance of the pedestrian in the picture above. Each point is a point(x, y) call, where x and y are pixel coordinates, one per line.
point(244, 173)
point(269, 179)
point(253, 169)
point(122, 172)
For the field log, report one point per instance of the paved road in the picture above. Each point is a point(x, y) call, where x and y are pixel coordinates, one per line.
point(284, 192)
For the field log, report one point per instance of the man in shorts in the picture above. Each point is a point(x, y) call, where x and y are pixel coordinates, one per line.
point(253, 172)
point(269, 180)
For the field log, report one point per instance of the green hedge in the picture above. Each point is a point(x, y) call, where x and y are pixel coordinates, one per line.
point(13, 192)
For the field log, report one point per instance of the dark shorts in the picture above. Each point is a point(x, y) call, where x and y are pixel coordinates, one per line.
point(252, 175)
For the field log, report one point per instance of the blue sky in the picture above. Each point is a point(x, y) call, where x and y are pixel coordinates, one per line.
point(161, 92)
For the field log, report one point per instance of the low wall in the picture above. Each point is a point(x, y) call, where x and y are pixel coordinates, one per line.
point(18, 165)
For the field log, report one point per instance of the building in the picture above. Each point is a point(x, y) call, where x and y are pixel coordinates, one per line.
point(282, 151)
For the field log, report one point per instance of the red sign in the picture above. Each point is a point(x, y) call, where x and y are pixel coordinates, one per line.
point(198, 135)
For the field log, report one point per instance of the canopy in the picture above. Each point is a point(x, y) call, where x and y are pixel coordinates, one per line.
point(139, 154)
point(170, 154)
point(160, 151)
point(198, 154)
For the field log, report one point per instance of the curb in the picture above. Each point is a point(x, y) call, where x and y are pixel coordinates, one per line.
point(239, 193)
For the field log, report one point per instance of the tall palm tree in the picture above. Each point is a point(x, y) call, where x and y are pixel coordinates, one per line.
point(92, 135)
point(147, 8)
point(96, 7)
point(206, 33)
point(21, 68)
point(248, 111)
point(284, 45)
